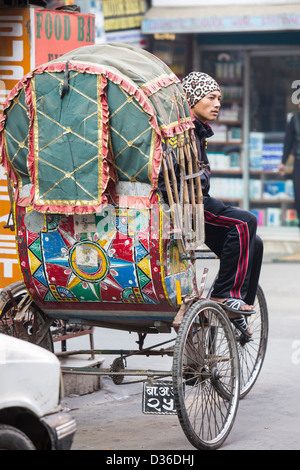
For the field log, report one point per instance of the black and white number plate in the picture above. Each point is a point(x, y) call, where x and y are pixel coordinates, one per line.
point(158, 398)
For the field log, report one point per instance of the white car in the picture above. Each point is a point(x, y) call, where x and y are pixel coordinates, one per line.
point(31, 416)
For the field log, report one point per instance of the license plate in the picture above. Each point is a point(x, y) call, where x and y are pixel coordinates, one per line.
point(158, 398)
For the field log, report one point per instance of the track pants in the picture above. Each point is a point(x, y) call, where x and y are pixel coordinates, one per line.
point(231, 234)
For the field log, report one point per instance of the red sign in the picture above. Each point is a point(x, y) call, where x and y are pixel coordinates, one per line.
point(58, 32)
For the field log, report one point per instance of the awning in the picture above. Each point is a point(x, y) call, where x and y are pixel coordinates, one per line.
point(218, 19)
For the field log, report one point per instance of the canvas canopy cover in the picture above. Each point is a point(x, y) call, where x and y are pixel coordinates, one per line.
point(74, 127)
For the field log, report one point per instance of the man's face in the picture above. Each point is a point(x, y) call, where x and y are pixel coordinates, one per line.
point(207, 109)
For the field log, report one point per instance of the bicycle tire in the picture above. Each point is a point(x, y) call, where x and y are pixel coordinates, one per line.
point(206, 375)
point(252, 354)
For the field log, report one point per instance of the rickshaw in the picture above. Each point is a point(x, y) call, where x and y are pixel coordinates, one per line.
point(85, 141)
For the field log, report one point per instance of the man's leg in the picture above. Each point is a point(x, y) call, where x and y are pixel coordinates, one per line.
point(255, 270)
point(231, 234)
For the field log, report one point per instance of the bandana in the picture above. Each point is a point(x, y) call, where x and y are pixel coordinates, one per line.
point(196, 85)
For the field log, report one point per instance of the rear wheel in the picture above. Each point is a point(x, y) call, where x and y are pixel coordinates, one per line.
point(33, 326)
point(206, 375)
point(252, 354)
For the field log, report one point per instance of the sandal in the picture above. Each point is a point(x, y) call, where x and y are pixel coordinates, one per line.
point(241, 325)
point(234, 305)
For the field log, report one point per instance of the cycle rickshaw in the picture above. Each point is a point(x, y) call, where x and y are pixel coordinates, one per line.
point(84, 139)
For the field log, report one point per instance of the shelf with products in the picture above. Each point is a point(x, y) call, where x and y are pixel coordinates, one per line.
point(228, 128)
point(229, 189)
point(225, 162)
point(226, 180)
point(271, 195)
point(272, 198)
point(224, 148)
point(270, 107)
point(258, 83)
point(275, 214)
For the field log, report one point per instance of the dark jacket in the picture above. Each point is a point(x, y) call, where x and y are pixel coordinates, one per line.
point(202, 132)
point(292, 139)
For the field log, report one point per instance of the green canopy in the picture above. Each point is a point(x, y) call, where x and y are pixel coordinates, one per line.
point(75, 126)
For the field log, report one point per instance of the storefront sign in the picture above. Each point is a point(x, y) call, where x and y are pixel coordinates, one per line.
point(123, 14)
point(220, 24)
point(58, 32)
point(14, 48)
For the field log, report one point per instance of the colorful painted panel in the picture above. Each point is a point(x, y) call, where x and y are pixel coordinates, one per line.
point(118, 256)
point(90, 258)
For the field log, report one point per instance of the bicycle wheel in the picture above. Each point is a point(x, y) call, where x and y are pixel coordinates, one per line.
point(206, 375)
point(252, 354)
point(30, 328)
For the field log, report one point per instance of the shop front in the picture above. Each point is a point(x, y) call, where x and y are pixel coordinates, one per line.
point(254, 54)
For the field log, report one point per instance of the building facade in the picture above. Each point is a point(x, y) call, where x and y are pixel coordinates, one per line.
point(253, 51)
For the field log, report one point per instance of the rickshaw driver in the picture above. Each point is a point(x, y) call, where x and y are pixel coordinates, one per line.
point(229, 231)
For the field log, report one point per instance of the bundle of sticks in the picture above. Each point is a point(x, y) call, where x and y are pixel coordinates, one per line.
point(185, 196)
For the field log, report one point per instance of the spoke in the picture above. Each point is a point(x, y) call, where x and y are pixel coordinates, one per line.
point(209, 377)
point(252, 354)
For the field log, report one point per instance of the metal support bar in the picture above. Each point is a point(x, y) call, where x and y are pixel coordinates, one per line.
point(97, 371)
point(121, 352)
point(124, 352)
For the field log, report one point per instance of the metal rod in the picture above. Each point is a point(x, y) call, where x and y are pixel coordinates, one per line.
point(95, 371)
point(122, 353)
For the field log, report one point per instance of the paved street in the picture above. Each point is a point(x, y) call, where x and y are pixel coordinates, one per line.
point(267, 419)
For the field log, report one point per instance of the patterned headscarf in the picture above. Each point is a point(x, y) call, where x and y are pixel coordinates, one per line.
point(196, 85)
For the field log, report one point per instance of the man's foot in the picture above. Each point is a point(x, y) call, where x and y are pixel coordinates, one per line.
point(235, 306)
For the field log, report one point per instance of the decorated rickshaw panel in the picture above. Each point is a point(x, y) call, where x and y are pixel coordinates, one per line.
point(95, 258)
point(69, 144)
point(119, 256)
